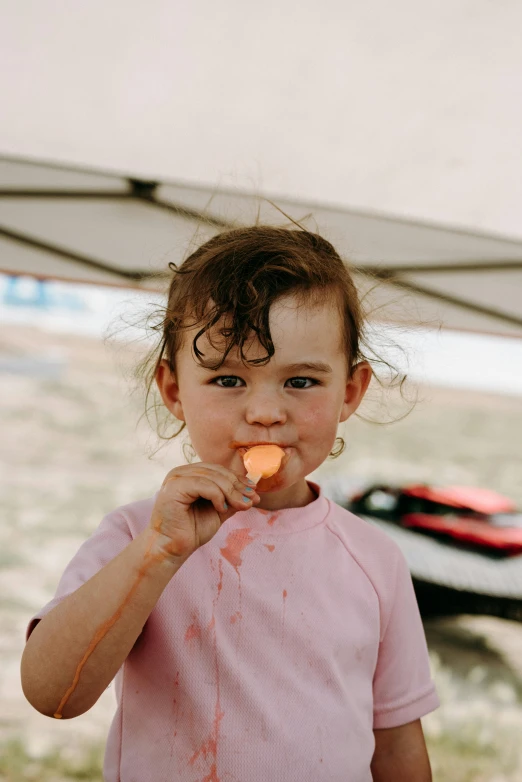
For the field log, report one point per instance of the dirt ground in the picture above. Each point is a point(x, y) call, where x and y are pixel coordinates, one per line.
point(73, 448)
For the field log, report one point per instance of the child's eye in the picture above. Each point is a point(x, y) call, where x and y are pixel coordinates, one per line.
point(233, 381)
point(228, 381)
point(300, 382)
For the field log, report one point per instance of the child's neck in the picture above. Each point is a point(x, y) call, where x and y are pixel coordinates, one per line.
point(296, 496)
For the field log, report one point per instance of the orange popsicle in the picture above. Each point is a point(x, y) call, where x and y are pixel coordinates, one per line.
point(262, 461)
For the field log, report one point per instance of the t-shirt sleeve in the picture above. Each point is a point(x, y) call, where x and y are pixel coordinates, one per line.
point(112, 536)
point(403, 690)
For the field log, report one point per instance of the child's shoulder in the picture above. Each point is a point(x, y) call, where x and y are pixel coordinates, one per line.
point(359, 531)
point(375, 552)
point(135, 515)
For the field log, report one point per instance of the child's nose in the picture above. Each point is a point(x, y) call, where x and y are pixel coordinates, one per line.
point(265, 410)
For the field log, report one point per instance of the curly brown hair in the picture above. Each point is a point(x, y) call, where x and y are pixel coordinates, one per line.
point(238, 275)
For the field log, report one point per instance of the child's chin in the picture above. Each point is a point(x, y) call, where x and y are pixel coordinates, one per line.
point(274, 483)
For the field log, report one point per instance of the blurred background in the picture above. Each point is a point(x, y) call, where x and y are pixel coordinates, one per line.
point(132, 131)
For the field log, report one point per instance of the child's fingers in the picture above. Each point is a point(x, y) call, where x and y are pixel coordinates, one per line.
point(233, 487)
point(187, 490)
point(235, 493)
point(204, 468)
point(216, 488)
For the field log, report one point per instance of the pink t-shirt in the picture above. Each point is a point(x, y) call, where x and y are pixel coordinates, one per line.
point(272, 654)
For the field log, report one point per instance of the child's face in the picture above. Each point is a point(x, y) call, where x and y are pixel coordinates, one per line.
point(285, 402)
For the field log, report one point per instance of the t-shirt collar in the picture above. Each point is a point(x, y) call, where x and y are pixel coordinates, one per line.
point(280, 522)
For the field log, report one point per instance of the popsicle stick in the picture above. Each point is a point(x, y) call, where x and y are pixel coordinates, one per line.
point(253, 478)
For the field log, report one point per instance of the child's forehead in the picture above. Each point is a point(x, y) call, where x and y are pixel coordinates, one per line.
point(291, 313)
point(298, 331)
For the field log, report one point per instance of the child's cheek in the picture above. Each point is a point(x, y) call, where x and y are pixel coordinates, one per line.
point(319, 424)
point(317, 415)
point(208, 413)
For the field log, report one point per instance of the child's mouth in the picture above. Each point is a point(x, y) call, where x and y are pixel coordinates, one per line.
point(242, 448)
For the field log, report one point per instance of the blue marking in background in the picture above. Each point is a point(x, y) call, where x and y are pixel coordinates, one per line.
point(23, 291)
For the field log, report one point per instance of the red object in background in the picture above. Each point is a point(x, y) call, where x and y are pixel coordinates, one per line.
point(468, 530)
point(465, 497)
point(467, 515)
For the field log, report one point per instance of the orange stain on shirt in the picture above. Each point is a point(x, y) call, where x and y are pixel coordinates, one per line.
point(237, 541)
point(269, 547)
point(220, 582)
point(272, 515)
point(194, 630)
point(210, 746)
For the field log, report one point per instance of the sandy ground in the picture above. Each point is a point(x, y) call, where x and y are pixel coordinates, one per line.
point(73, 448)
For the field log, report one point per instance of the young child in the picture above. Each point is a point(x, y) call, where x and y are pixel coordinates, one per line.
point(257, 633)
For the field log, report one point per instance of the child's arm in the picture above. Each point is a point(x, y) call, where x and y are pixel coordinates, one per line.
point(75, 651)
point(400, 754)
point(60, 640)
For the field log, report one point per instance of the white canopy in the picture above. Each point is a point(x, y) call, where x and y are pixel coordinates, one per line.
point(97, 227)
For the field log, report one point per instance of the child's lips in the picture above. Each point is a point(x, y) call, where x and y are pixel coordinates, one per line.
point(242, 449)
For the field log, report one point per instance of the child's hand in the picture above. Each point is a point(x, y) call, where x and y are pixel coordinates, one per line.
point(190, 506)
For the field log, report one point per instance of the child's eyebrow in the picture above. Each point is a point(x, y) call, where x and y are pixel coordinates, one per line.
point(319, 367)
point(310, 366)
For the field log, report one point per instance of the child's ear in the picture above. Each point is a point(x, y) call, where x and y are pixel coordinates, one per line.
point(356, 388)
point(169, 389)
